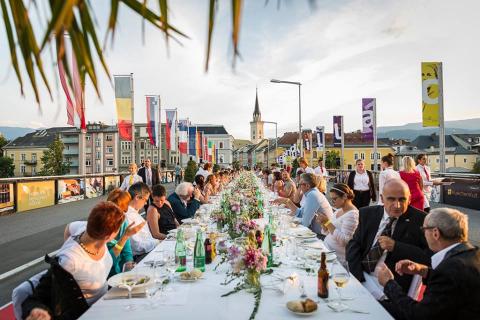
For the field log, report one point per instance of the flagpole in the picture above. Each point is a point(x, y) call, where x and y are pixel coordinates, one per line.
point(441, 136)
point(159, 134)
point(375, 161)
point(343, 141)
point(324, 146)
point(133, 121)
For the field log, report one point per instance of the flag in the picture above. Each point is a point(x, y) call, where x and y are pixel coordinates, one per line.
point(307, 141)
point(205, 149)
point(192, 141)
point(153, 110)
point(209, 151)
point(170, 129)
point(320, 134)
point(368, 117)
point(432, 93)
point(214, 153)
point(198, 151)
point(183, 136)
point(337, 131)
point(123, 98)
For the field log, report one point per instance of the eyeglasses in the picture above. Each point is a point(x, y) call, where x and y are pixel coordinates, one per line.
point(334, 199)
point(426, 228)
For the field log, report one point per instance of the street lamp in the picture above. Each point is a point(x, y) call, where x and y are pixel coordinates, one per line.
point(276, 139)
point(299, 110)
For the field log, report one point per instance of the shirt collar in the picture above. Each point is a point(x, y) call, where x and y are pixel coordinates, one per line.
point(438, 257)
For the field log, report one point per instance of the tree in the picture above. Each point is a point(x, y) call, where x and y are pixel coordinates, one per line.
point(190, 171)
point(476, 167)
point(236, 165)
point(331, 160)
point(52, 159)
point(295, 166)
point(216, 168)
point(3, 142)
point(6, 167)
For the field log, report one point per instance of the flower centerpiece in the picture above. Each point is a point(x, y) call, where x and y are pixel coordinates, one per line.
point(248, 264)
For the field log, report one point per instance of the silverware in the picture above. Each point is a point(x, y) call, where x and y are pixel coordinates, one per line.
point(344, 307)
point(134, 295)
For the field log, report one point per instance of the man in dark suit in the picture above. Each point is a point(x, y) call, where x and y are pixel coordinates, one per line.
point(149, 175)
point(184, 201)
point(387, 234)
point(453, 281)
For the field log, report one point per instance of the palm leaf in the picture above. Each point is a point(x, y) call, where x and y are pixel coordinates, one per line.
point(212, 9)
point(236, 22)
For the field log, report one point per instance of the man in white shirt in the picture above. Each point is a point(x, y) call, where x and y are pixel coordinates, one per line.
point(142, 242)
point(132, 178)
point(205, 171)
point(453, 280)
point(427, 180)
point(320, 170)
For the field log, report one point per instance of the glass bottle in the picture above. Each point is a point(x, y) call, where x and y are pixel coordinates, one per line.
point(199, 253)
point(267, 245)
point(322, 281)
point(208, 251)
point(181, 252)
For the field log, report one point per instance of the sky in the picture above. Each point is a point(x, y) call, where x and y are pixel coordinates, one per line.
point(340, 50)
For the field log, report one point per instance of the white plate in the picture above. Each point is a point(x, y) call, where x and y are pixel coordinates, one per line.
point(119, 279)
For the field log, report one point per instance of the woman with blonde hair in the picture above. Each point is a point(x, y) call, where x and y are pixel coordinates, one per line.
point(412, 177)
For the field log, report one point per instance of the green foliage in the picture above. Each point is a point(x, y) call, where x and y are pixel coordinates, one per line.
point(190, 171)
point(215, 168)
point(52, 159)
point(6, 167)
point(3, 142)
point(331, 160)
point(236, 165)
point(295, 166)
point(476, 167)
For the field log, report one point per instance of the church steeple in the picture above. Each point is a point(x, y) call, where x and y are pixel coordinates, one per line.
point(257, 116)
point(256, 125)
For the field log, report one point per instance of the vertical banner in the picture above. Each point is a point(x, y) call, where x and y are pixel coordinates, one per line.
point(192, 141)
point(320, 134)
point(368, 118)
point(198, 151)
point(205, 148)
point(306, 141)
point(432, 88)
point(209, 151)
point(183, 136)
point(170, 131)
point(153, 110)
point(123, 98)
point(214, 154)
point(337, 131)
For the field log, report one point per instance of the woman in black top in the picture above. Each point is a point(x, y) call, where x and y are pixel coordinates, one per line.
point(160, 216)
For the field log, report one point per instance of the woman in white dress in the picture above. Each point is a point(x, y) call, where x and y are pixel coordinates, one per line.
point(387, 173)
point(341, 227)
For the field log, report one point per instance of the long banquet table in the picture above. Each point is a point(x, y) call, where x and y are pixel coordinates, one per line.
point(202, 299)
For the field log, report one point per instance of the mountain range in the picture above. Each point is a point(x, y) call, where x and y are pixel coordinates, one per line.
point(11, 133)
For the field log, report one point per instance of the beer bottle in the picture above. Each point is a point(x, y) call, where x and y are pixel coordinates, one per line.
point(323, 276)
point(208, 251)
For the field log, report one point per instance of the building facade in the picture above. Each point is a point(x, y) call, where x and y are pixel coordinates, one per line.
point(223, 143)
point(101, 144)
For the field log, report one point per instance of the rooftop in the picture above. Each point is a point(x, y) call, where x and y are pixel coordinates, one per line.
point(39, 139)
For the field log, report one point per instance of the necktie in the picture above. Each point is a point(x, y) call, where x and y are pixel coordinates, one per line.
point(321, 169)
point(426, 173)
point(372, 257)
point(131, 179)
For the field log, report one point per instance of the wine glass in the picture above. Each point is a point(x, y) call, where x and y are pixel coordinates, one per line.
point(340, 276)
point(127, 283)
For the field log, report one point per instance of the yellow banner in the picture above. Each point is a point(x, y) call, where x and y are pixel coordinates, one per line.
point(431, 88)
point(124, 109)
point(35, 194)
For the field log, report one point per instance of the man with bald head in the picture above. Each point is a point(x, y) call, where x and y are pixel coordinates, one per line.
point(387, 234)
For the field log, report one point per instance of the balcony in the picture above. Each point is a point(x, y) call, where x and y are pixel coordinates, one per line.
point(30, 162)
point(70, 140)
point(70, 152)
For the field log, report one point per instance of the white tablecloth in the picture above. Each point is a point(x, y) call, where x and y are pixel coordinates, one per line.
point(202, 299)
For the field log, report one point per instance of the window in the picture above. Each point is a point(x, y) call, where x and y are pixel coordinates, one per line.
point(362, 155)
point(87, 138)
point(98, 142)
point(125, 145)
point(97, 155)
point(446, 160)
point(315, 154)
point(12, 156)
point(464, 160)
point(222, 160)
point(34, 171)
point(372, 167)
point(22, 156)
point(110, 162)
point(220, 145)
point(142, 144)
point(155, 159)
point(371, 156)
point(88, 163)
point(109, 137)
point(22, 169)
point(355, 156)
point(109, 149)
point(125, 160)
point(253, 137)
point(98, 167)
point(349, 167)
point(437, 160)
point(379, 156)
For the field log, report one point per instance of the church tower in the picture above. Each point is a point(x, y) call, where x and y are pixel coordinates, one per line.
point(256, 126)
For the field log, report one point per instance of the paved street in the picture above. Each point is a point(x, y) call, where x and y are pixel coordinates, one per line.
point(29, 235)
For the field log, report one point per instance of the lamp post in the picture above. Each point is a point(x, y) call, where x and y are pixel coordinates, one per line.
point(276, 139)
point(299, 110)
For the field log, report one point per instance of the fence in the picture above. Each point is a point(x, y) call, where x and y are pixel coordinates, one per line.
point(26, 193)
point(463, 191)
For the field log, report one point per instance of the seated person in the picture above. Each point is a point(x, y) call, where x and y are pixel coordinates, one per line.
point(200, 185)
point(387, 233)
point(160, 216)
point(314, 203)
point(452, 282)
point(77, 277)
point(120, 247)
point(210, 186)
point(340, 228)
point(184, 201)
point(141, 242)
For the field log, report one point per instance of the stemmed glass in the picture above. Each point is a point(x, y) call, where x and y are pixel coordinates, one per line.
point(128, 284)
point(340, 276)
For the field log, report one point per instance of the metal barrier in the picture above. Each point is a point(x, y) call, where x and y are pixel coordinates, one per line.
point(19, 194)
point(463, 191)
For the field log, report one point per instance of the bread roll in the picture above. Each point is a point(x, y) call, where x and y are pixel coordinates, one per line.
point(295, 306)
point(309, 305)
